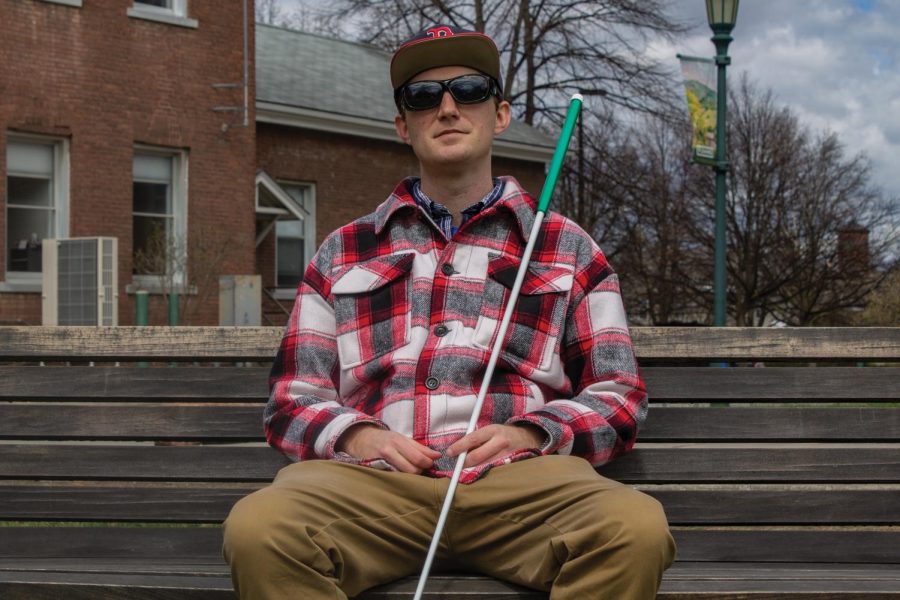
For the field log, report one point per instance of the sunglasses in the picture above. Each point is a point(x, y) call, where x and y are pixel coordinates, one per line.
point(465, 89)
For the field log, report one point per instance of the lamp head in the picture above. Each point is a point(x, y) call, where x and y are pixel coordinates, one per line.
point(722, 14)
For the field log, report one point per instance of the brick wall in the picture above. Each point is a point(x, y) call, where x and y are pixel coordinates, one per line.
point(106, 81)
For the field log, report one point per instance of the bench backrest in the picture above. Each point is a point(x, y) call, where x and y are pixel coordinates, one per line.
point(790, 462)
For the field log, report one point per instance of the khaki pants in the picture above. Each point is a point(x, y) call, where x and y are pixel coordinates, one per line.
point(329, 530)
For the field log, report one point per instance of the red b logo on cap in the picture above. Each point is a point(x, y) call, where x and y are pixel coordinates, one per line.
point(439, 32)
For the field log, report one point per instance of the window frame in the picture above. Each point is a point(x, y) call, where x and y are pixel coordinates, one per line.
point(20, 281)
point(176, 13)
point(72, 3)
point(289, 206)
point(308, 205)
point(179, 192)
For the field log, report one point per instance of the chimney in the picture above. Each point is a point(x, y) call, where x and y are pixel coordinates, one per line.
point(853, 249)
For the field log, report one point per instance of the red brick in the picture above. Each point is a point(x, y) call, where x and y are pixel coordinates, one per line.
point(107, 81)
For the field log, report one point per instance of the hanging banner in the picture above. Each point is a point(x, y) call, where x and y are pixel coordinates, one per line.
point(700, 88)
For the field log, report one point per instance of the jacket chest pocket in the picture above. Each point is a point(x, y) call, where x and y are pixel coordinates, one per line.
point(535, 327)
point(372, 308)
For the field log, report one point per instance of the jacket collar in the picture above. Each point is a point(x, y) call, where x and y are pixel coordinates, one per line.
point(513, 199)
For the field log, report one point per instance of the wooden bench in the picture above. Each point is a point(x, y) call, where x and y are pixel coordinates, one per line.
point(779, 482)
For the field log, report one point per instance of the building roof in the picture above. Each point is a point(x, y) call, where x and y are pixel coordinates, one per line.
point(311, 81)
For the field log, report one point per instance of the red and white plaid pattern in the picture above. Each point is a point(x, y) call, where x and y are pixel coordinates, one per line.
point(394, 324)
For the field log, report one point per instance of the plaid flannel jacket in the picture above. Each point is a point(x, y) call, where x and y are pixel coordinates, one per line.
point(394, 324)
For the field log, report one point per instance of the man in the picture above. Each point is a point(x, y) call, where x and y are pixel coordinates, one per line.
point(383, 357)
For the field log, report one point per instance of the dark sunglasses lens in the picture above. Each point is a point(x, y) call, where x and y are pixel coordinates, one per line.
point(422, 95)
point(470, 89)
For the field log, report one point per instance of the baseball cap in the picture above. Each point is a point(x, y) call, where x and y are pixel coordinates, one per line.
point(444, 46)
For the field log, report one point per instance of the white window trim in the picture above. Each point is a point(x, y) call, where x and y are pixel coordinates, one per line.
point(176, 14)
point(304, 214)
point(309, 240)
point(156, 283)
point(18, 282)
point(75, 3)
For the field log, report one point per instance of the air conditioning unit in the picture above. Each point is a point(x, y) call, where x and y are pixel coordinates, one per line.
point(81, 281)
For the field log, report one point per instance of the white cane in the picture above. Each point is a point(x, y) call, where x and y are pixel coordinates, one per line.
point(549, 185)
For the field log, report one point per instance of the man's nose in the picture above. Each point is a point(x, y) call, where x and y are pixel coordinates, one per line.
point(448, 105)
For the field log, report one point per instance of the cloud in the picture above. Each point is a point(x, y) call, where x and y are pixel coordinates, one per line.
point(835, 63)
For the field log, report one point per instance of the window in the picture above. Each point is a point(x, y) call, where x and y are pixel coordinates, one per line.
point(289, 210)
point(295, 238)
point(36, 204)
point(159, 221)
point(173, 12)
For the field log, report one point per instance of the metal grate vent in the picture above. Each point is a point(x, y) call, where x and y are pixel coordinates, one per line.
point(77, 293)
point(80, 281)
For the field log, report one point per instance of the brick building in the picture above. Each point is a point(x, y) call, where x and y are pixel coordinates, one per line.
point(126, 118)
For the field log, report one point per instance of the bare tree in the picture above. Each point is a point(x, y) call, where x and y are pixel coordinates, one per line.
point(843, 228)
point(808, 235)
point(300, 18)
point(192, 272)
point(791, 195)
point(269, 12)
point(883, 305)
point(549, 48)
point(766, 149)
point(635, 200)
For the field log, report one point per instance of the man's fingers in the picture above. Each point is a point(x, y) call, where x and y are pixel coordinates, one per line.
point(496, 446)
point(417, 454)
point(473, 440)
point(430, 453)
point(399, 462)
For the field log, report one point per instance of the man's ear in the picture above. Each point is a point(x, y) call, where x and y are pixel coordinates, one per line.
point(504, 116)
point(402, 129)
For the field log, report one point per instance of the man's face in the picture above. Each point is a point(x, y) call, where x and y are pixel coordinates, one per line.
point(452, 134)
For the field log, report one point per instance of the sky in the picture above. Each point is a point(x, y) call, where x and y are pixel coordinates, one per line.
point(835, 63)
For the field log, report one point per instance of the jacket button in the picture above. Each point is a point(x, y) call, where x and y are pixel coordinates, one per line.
point(441, 330)
point(447, 269)
point(432, 383)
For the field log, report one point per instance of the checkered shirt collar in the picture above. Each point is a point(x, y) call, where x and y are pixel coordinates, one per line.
point(511, 197)
point(442, 217)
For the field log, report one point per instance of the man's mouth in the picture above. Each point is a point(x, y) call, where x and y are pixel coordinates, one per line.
point(448, 131)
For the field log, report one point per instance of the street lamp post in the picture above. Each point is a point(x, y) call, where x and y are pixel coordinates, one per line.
point(721, 15)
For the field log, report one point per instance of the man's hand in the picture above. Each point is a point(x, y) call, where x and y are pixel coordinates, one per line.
point(367, 442)
point(497, 441)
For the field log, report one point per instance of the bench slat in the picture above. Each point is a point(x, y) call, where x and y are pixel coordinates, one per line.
point(760, 583)
point(131, 421)
point(760, 344)
point(734, 424)
point(84, 501)
point(683, 581)
point(874, 506)
point(30, 585)
point(261, 343)
point(245, 384)
point(658, 464)
point(145, 421)
point(797, 384)
point(694, 544)
point(249, 384)
point(140, 343)
point(211, 504)
point(787, 545)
